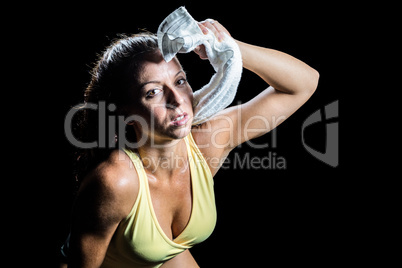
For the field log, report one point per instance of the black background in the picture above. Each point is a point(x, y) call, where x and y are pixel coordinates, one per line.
point(297, 215)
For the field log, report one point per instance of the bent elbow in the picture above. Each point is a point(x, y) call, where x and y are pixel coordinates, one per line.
point(317, 78)
point(312, 84)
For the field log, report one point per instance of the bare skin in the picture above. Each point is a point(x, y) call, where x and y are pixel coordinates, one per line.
point(109, 192)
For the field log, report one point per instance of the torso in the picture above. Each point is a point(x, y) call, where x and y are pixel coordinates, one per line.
point(172, 202)
point(172, 199)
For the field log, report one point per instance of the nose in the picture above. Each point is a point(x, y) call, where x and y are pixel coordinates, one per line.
point(175, 97)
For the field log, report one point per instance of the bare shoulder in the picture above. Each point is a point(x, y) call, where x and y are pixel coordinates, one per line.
point(117, 173)
point(112, 185)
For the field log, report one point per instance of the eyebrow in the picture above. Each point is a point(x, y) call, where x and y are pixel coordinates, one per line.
point(158, 82)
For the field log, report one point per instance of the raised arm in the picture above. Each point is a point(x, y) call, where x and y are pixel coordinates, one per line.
point(280, 70)
point(291, 81)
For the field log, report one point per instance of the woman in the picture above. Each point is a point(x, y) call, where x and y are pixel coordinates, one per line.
point(146, 206)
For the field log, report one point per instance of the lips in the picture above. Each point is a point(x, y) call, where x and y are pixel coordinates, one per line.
point(180, 119)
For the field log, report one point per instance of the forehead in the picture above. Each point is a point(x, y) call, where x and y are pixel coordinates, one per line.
point(154, 67)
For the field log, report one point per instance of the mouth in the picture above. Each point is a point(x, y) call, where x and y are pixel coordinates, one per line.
point(180, 120)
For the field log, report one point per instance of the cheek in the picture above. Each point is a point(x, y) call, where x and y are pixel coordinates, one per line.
point(188, 96)
point(148, 113)
point(158, 112)
point(191, 96)
point(191, 107)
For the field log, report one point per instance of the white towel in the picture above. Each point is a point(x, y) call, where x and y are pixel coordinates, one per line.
point(180, 33)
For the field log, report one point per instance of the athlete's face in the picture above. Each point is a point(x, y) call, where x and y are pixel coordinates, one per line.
point(163, 100)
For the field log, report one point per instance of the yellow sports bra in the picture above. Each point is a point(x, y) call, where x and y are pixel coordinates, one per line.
point(139, 240)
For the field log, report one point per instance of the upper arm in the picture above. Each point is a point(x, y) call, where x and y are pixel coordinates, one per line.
point(238, 124)
point(262, 114)
point(104, 199)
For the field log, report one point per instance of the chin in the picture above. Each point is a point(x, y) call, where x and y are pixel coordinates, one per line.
point(182, 132)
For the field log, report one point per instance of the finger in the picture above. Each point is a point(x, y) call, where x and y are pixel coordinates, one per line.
point(216, 28)
point(220, 27)
point(203, 28)
point(210, 24)
point(200, 51)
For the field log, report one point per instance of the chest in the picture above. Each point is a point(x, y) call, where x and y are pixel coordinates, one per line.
point(172, 203)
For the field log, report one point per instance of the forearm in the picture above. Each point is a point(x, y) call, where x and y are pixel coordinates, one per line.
point(280, 70)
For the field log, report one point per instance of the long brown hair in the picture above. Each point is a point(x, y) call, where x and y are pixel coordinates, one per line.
point(112, 83)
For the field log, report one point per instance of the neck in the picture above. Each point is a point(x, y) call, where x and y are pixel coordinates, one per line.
point(164, 160)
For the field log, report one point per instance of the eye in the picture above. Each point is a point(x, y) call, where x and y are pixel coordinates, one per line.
point(151, 93)
point(181, 81)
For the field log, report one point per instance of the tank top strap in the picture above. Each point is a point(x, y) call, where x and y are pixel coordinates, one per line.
point(136, 164)
point(195, 154)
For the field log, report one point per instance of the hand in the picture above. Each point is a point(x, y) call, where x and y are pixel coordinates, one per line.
point(216, 28)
